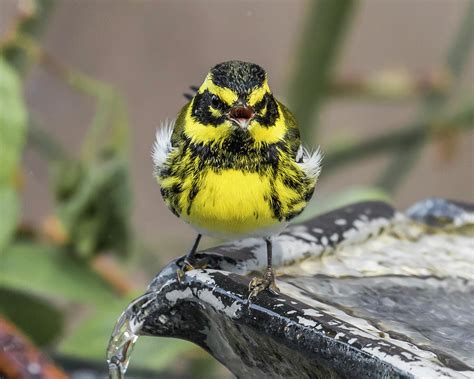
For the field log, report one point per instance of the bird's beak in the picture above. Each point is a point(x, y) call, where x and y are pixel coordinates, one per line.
point(241, 115)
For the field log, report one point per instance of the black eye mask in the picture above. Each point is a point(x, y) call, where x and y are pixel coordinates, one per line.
point(201, 108)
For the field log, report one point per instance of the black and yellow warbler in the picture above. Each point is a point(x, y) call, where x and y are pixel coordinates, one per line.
point(232, 165)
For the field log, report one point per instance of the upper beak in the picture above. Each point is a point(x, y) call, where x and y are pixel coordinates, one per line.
point(241, 115)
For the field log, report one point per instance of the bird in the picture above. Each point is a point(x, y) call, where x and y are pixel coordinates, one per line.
point(232, 165)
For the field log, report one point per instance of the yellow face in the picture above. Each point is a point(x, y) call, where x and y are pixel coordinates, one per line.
point(232, 102)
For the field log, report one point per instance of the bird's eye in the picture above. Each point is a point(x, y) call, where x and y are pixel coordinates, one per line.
point(262, 105)
point(215, 102)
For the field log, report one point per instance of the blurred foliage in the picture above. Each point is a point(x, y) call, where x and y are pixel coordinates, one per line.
point(433, 103)
point(31, 22)
point(326, 24)
point(93, 205)
point(13, 120)
point(45, 327)
point(93, 202)
point(45, 270)
point(93, 193)
point(55, 271)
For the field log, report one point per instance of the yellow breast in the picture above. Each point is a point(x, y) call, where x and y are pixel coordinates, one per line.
point(230, 202)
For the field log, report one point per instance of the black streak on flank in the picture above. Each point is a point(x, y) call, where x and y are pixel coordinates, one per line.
point(192, 194)
point(292, 215)
point(241, 77)
point(292, 183)
point(309, 195)
point(200, 150)
point(276, 206)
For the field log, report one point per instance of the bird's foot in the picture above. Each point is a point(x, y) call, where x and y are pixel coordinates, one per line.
point(186, 266)
point(258, 285)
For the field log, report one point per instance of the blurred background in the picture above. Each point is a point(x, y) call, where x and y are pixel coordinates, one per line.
point(385, 88)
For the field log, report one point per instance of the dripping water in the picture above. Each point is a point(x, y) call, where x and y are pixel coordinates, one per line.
point(125, 335)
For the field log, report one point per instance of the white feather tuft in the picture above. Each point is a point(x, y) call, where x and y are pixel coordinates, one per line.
point(310, 161)
point(162, 146)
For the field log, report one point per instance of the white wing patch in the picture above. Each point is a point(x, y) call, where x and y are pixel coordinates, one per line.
point(162, 146)
point(309, 161)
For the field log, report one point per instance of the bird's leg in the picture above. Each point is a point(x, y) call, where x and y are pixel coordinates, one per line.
point(188, 263)
point(257, 285)
point(189, 259)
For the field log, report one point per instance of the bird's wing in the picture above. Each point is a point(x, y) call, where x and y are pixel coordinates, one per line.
point(309, 161)
point(162, 146)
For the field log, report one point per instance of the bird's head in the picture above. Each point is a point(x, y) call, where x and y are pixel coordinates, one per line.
point(234, 98)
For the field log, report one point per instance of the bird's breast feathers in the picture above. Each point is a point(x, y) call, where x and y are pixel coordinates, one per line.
point(219, 199)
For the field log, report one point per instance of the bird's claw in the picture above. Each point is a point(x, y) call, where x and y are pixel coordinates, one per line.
point(258, 285)
point(188, 266)
point(185, 267)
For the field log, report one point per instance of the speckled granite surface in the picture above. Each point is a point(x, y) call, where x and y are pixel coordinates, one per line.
point(367, 292)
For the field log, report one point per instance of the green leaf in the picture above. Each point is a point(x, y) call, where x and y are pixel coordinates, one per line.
point(37, 318)
point(48, 271)
point(94, 203)
point(90, 340)
point(12, 139)
point(349, 196)
point(9, 213)
point(12, 122)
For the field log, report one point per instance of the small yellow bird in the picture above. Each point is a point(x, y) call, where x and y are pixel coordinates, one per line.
point(232, 165)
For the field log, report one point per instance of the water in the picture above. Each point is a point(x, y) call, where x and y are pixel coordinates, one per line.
point(125, 335)
point(430, 312)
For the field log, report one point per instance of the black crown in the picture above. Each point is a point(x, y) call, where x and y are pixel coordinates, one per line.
point(239, 76)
